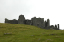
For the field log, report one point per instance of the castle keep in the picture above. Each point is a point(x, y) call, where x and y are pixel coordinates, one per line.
point(39, 22)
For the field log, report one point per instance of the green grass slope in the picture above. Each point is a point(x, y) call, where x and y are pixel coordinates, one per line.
point(28, 33)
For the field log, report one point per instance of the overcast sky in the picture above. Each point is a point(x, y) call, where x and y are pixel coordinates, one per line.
point(52, 9)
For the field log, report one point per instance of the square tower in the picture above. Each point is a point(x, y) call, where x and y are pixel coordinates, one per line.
point(21, 19)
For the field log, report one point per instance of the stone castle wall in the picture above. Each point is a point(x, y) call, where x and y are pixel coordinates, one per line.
point(11, 21)
point(39, 22)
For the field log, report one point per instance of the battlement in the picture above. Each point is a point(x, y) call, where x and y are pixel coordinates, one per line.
point(39, 22)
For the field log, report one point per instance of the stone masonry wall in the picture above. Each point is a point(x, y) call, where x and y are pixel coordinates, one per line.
point(39, 22)
point(21, 19)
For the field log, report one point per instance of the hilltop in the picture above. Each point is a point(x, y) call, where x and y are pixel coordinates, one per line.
point(29, 33)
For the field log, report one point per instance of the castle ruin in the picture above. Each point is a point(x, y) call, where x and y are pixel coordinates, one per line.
point(39, 22)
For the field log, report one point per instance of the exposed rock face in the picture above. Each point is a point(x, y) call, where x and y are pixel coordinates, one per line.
point(39, 22)
point(21, 19)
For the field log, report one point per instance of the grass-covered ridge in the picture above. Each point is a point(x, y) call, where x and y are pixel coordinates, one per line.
point(28, 33)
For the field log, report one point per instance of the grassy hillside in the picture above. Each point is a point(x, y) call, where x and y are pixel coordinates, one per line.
point(28, 33)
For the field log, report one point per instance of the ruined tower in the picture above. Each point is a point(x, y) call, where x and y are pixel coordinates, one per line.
point(39, 22)
point(45, 24)
point(55, 27)
point(21, 19)
point(48, 22)
point(42, 23)
point(6, 20)
point(58, 26)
